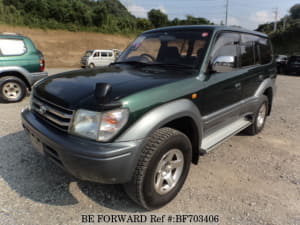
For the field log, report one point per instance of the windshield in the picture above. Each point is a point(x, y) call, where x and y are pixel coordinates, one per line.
point(184, 48)
point(88, 53)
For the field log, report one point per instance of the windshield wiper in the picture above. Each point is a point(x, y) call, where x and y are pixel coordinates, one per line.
point(131, 63)
point(173, 65)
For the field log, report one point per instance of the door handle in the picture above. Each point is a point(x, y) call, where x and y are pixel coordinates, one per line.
point(238, 85)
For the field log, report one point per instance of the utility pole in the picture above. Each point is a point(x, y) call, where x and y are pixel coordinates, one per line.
point(276, 18)
point(284, 22)
point(226, 16)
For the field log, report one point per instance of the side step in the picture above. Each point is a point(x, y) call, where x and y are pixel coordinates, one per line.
point(216, 138)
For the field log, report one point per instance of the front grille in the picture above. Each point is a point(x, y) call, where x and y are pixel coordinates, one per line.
point(57, 116)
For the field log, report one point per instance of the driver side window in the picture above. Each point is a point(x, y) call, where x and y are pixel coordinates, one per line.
point(226, 49)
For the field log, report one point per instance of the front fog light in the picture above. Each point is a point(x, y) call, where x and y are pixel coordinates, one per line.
point(111, 123)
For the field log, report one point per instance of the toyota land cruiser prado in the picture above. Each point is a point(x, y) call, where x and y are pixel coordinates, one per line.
point(175, 93)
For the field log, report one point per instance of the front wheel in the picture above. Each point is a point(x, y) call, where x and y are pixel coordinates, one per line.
point(162, 169)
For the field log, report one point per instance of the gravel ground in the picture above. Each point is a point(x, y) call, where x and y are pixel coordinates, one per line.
point(246, 180)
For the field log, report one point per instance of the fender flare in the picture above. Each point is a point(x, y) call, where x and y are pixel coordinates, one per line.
point(267, 83)
point(161, 115)
point(23, 72)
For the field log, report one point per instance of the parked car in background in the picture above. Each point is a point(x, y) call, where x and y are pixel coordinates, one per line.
point(281, 61)
point(93, 58)
point(175, 93)
point(293, 65)
point(21, 65)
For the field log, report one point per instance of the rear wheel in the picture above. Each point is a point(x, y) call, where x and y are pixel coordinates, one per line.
point(162, 169)
point(12, 89)
point(260, 118)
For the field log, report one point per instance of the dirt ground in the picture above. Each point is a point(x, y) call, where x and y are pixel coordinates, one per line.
point(247, 180)
point(64, 48)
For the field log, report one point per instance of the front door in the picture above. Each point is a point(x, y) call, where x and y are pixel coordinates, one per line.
point(223, 92)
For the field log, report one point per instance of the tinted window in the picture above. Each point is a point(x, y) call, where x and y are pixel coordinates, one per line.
point(249, 50)
point(226, 45)
point(294, 59)
point(12, 47)
point(110, 54)
point(103, 54)
point(265, 50)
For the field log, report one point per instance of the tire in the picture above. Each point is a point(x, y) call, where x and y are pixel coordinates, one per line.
point(151, 186)
point(12, 89)
point(260, 118)
point(91, 65)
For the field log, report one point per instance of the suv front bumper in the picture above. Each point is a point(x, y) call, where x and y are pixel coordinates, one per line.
point(87, 160)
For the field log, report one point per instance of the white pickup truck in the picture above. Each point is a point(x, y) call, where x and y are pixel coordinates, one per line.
point(98, 57)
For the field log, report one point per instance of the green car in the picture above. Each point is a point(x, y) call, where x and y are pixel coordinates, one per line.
point(174, 94)
point(21, 65)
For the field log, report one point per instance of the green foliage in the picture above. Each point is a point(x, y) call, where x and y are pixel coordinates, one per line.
point(295, 12)
point(190, 20)
point(286, 38)
point(287, 41)
point(106, 16)
point(158, 18)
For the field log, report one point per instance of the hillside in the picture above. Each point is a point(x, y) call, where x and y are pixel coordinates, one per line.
point(64, 48)
point(286, 38)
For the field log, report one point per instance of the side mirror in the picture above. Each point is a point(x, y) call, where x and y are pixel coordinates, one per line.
point(223, 64)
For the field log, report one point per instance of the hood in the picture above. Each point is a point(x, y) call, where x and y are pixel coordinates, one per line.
point(76, 89)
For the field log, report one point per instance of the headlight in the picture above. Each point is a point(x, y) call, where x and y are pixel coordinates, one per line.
point(86, 124)
point(99, 126)
point(111, 123)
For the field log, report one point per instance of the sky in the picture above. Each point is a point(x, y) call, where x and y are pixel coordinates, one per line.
point(248, 14)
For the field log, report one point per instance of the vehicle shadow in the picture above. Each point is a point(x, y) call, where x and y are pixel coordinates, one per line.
point(32, 176)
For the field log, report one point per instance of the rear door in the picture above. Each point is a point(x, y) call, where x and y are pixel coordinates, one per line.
point(255, 57)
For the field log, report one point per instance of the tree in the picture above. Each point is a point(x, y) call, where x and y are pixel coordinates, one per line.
point(295, 11)
point(158, 18)
point(143, 24)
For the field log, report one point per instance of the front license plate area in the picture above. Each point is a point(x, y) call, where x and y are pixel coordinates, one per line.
point(37, 144)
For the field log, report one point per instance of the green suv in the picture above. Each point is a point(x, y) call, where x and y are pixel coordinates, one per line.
point(21, 65)
point(174, 94)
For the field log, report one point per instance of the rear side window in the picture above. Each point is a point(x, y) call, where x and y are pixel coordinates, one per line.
point(265, 50)
point(10, 47)
point(249, 50)
point(104, 54)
